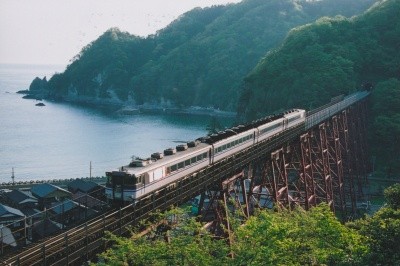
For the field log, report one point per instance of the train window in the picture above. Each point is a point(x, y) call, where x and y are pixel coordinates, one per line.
point(205, 155)
point(224, 147)
point(228, 145)
point(174, 168)
point(193, 160)
point(181, 165)
point(168, 170)
point(187, 162)
point(199, 157)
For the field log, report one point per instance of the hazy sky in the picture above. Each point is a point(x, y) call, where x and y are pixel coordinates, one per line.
point(54, 31)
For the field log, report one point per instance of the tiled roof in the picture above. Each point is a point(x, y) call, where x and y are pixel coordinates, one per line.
point(31, 212)
point(82, 185)
point(20, 197)
point(44, 190)
point(64, 206)
point(8, 212)
point(87, 200)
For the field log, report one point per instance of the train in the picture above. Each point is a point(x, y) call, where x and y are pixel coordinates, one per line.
point(142, 177)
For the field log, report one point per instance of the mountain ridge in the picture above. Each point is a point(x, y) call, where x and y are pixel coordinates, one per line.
point(204, 54)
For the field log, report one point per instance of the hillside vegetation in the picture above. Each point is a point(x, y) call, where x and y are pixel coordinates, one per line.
point(334, 56)
point(199, 59)
point(298, 237)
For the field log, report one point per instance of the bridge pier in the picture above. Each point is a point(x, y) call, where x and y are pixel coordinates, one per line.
point(327, 163)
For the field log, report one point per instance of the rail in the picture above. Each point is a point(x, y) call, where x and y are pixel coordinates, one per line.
point(315, 117)
point(82, 243)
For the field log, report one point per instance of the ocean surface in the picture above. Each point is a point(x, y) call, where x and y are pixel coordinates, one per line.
point(61, 140)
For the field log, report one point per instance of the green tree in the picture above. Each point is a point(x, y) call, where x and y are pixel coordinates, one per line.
point(392, 196)
point(185, 243)
point(382, 231)
point(298, 237)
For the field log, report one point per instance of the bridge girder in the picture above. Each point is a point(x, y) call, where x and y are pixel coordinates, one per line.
point(327, 164)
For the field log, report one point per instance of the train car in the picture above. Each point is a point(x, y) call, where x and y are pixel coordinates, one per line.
point(289, 119)
point(231, 145)
point(294, 118)
point(144, 176)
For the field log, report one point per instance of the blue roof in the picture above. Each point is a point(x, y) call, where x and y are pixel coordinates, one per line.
point(18, 196)
point(64, 206)
point(82, 185)
point(6, 211)
point(43, 190)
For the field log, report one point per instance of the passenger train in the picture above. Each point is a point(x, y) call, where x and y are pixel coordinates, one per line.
point(144, 176)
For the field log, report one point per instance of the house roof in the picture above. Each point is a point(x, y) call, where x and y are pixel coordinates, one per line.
point(87, 200)
point(47, 191)
point(82, 185)
point(8, 212)
point(31, 213)
point(46, 227)
point(64, 206)
point(20, 197)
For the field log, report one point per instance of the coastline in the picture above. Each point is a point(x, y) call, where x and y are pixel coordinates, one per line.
point(128, 108)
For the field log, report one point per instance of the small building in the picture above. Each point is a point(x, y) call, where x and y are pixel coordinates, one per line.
point(69, 212)
point(9, 215)
point(13, 223)
point(86, 186)
point(89, 201)
point(21, 199)
point(48, 194)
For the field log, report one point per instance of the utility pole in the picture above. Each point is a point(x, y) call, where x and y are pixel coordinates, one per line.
point(12, 176)
point(90, 169)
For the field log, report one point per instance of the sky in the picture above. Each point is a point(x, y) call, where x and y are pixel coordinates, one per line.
point(54, 31)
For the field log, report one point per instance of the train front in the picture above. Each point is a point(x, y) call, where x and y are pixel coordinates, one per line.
point(121, 186)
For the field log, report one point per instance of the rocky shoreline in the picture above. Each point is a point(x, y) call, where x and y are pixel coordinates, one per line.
point(129, 108)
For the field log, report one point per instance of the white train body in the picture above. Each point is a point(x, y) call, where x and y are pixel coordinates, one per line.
point(142, 177)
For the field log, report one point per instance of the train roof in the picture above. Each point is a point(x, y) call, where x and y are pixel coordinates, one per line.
point(139, 165)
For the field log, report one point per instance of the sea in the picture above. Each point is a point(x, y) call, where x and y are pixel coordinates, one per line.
point(62, 140)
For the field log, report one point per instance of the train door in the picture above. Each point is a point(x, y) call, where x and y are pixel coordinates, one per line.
point(211, 155)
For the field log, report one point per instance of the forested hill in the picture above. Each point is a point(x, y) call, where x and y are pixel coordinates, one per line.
point(199, 59)
point(334, 56)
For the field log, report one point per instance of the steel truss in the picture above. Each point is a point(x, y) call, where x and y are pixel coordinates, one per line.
point(326, 164)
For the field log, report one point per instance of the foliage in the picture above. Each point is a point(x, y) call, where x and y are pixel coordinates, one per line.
point(285, 238)
point(204, 53)
point(315, 237)
point(382, 231)
point(330, 57)
point(187, 243)
point(392, 196)
point(385, 125)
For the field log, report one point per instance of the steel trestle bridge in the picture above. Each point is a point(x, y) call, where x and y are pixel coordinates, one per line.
point(321, 161)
